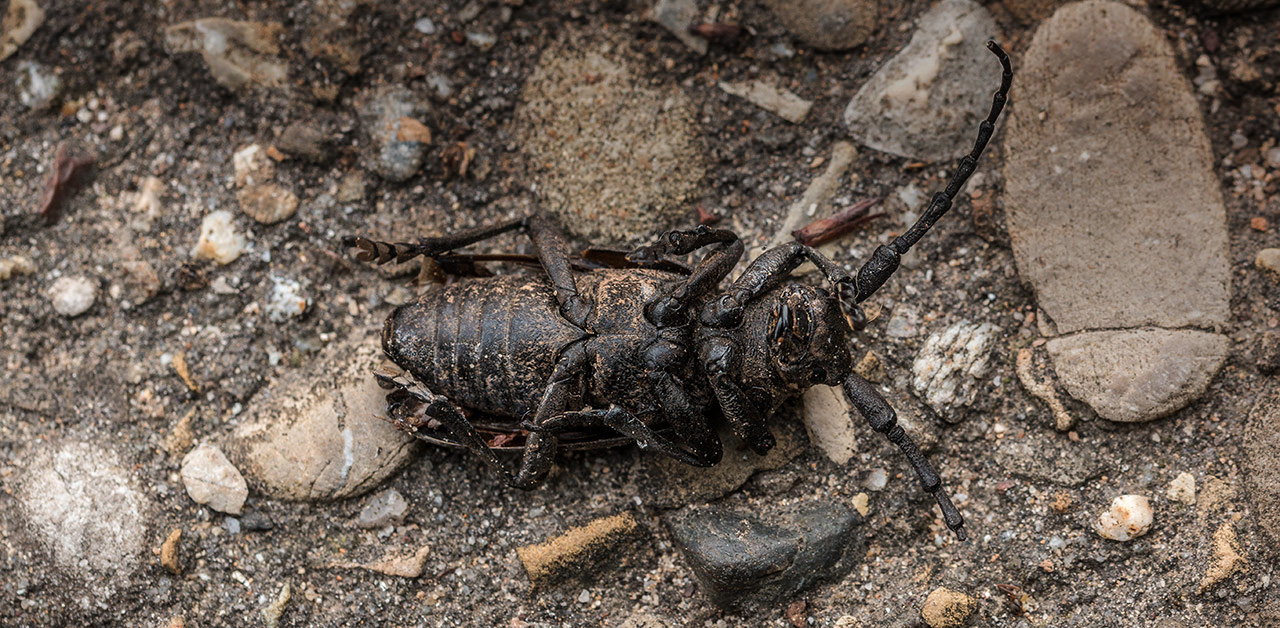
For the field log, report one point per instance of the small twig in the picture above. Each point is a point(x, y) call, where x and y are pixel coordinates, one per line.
point(846, 220)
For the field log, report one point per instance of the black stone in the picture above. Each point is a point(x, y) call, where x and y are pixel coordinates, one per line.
point(739, 556)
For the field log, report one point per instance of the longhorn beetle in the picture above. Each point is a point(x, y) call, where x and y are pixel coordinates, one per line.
point(644, 347)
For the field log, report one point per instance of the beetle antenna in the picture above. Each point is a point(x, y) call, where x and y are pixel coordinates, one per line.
point(884, 261)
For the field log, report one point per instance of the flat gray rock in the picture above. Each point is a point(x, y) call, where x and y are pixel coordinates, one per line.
point(1114, 210)
point(926, 102)
point(318, 433)
point(1136, 375)
point(1115, 214)
point(1262, 465)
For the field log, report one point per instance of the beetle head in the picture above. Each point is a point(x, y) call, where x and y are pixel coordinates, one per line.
point(808, 333)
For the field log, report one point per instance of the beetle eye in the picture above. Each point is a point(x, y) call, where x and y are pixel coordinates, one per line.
point(782, 320)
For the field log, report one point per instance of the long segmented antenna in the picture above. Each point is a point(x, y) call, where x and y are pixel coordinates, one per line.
point(884, 261)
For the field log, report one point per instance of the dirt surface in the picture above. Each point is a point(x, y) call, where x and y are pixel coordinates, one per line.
point(107, 377)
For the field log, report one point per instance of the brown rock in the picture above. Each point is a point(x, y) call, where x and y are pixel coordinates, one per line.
point(828, 24)
point(169, 552)
point(579, 549)
point(1226, 558)
point(945, 608)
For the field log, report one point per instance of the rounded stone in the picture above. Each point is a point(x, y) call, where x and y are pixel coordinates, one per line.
point(212, 480)
point(1129, 517)
point(73, 296)
point(945, 608)
point(828, 24)
point(318, 432)
point(616, 158)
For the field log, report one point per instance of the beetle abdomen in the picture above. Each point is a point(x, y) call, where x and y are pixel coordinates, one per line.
point(489, 344)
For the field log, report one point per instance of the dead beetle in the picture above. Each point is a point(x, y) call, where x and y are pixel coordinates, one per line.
point(639, 346)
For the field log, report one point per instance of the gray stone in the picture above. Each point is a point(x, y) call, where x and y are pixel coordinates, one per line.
point(828, 24)
point(617, 158)
point(384, 509)
point(1137, 374)
point(317, 433)
point(951, 365)
point(83, 505)
point(394, 155)
point(1262, 466)
point(1115, 213)
point(763, 556)
point(212, 480)
point(926, 102)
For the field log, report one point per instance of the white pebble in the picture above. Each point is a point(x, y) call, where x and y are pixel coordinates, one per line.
point(286, 300)
point(876, 479)
point(219, 240)
point(1129, 518)
point(425, 26)
point(73, 296)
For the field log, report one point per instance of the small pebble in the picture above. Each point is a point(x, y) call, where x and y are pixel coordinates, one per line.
point(1273, 157)
point(425, 26)
point(1258, 223)
point(945, 608)
point(212, 480)
point(1183, 489)
point(584, 597)
point(219, 240)
point(73, 296)
point(384, 509)
point(1128, 518)
point(37, 85)
point(1269, 260)
point(876, 479)
point(861, 504)
point(272, 612)
point(14, 266)
point(286, 300)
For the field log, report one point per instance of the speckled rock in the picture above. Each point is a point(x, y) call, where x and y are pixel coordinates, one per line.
point(1262, 464)
point(316, 433)
point(764, 556)
point(1153, 210)
point(950, 367)
point(392, 118)
point(925, 103)
point(616, 158)
point(73, 296)
point(84, 506)
point(1137, 374)
point(212, 480)
point(828, 24)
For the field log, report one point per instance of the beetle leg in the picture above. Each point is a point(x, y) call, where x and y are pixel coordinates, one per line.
point(689, 423)
point(880, 415)
point(765, 272)
point(884, 261)
point(671, 307)
point(720, 361)
point(549, 243)
point(631, 426)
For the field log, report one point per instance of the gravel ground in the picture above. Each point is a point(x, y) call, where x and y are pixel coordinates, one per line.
point(111, 378)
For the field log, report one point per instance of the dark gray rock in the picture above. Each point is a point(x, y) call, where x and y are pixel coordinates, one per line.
point(764, 556)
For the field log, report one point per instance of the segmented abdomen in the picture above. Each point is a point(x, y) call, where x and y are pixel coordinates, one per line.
point(488, 344)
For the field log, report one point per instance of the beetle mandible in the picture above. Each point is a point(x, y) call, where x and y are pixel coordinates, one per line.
point(644, 347)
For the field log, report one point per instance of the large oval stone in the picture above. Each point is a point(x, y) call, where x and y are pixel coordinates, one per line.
point(1115, 214)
